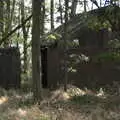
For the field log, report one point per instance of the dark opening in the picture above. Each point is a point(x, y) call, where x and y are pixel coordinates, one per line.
point(44, 66)
point(101, 38)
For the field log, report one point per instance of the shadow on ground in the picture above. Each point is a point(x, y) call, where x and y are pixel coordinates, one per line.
point(75, 104)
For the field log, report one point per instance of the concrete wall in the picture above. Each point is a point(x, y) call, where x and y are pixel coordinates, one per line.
point(81, 73)
point(10, 69)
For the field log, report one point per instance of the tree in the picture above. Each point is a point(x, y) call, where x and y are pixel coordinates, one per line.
point(15, 29)
point(25, 31)
point(60, 10)
point(8, 19)
point(95, 2)
point(1, 18)
point(52, 14)
point(36, 55)
point(85, 5)
point(73, 7)
point(65, 45)
point(42, 18)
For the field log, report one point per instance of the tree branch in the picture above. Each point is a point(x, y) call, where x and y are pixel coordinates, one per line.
point(15, 29)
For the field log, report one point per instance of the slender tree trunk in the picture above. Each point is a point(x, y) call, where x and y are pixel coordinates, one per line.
point(66, 46)
point(36, 54)
point(52, 14)
point(7, 23)
point(100, 3)
point(11, 17)
point(25, 36)
point(19, 22)
point(85, 5)
point(1, 18)
point(9, 12)
point(73, 8)
point(42, 18)
point(61, 15)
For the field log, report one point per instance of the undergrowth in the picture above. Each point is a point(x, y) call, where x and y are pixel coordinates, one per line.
point(75, 104)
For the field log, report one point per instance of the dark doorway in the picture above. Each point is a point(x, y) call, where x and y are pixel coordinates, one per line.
point(44, 66)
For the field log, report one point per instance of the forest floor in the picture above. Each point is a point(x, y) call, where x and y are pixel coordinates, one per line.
point(75, 104)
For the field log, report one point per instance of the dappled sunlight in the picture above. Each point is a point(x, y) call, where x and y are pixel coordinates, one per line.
point(21, 112)
point(3, 99)
point(79, 58)
point(101, 93)
point(18, 96)
point(74, 91)
point(74, 104)
point(59, 95)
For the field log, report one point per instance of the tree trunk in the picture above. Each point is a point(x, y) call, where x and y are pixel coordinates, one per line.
point(42, 18)
point(52, 14)
point(9, 9)
point(11, 16)
point(73, 8)
point(36, 54)
point(60, 9)
point(25, 36)
point(1, 18)
point(7, 23)
point(65, 45)
point(85, 5)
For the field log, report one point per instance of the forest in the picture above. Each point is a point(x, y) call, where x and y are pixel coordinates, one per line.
point(59, 59)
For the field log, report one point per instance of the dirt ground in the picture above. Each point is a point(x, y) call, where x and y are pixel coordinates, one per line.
point(75, 104)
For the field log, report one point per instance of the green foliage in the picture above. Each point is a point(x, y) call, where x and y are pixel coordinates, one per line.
point(112, 55)
point(114, 43)
point(107, 19)
point(51, 38)
point(106, 57)
point(96, 24)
